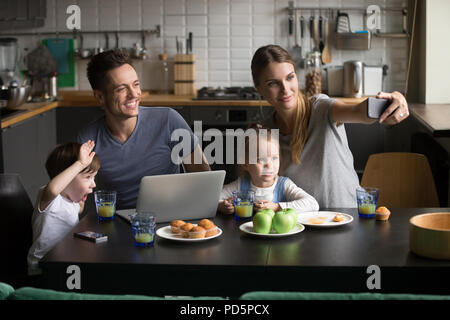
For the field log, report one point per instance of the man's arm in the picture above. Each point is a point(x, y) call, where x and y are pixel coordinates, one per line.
point(196, 161)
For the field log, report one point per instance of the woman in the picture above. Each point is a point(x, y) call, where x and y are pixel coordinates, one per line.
point(314, 148)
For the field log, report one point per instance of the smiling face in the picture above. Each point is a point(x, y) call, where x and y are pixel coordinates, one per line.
point(278, 84)
point(122, 93)
point(80, 187)
point(264, 172)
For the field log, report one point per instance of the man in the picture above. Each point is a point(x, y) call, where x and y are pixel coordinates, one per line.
point(132, 141)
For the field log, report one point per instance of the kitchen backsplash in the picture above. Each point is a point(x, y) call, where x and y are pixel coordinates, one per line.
point(226, 33)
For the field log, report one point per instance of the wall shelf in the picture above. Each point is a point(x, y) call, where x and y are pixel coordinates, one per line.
point(156, 31)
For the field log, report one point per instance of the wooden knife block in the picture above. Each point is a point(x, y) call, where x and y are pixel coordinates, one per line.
point(184, 77)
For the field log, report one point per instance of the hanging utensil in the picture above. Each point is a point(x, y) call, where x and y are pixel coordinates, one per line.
point(326, 53)
point(291, 24)
point(321, 38)
point(311, 33)
point(302, 32)
point(296, 50)
point(190, 42)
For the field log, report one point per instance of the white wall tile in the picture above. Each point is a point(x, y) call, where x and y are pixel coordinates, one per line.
point(239, 65)
point(241, 8)
point(197, 32)
point(196, 20)
point(218, 43)
point(241, 53)
point(218, 7)
point(175, 21)
point(219, 65)
point(130, 16)
point(109, 15)
point(241, 42)
point(218, 31)
point(196, 6)
point(218, 19)
point(174, 7)
point(265, 31)
point(241, 31)
point(241, 20)
point(219, 54)
point(241, 76)
point(226, 34)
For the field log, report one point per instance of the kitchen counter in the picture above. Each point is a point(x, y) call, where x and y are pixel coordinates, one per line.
point(87, 99)
point(435, 117)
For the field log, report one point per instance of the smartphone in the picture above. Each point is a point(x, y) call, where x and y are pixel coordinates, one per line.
point(376, 107)
point(91, 236)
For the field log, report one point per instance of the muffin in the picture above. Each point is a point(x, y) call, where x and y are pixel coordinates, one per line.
point(185, 228)
point(204, 223)
point(209, 226)
point(338, 218)
point(382, 214)
point(175, 225)
point(197, 232)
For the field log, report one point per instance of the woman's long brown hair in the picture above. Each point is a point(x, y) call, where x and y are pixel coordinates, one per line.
point(273, 53)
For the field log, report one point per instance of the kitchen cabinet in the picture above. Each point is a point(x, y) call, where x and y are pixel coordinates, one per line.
point(364, 140)
point(26, 146)
point(72, 119)
point(16, 14)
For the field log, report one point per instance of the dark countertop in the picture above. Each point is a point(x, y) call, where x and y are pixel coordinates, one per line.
point(435, 117)
point(334, 259)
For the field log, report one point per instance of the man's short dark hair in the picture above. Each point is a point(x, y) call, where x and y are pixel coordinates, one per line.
point(103, 62)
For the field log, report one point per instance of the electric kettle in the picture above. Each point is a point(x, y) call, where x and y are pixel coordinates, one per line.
point(353, 79)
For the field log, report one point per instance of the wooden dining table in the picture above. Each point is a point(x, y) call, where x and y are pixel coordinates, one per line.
point(336, 259)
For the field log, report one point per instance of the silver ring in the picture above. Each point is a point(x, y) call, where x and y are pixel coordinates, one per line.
point(401, 115)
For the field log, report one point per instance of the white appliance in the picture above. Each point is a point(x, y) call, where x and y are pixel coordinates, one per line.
point(373, 80)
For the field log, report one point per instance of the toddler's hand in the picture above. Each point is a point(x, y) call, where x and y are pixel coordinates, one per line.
point(265, 204)
point(226, 206)
point(86, 154)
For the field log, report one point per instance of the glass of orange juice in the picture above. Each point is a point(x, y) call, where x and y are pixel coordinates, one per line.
point(143, 228)
point(367, 199)
point(105, 203)
point(243, 204)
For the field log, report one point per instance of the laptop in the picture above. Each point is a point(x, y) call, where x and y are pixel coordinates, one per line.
point(184, 196)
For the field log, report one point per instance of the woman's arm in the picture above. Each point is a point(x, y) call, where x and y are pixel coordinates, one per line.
point(357, 113)
point(298, 199)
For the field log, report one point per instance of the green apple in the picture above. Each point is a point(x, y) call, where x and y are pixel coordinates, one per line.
point(294, 215)
point(283, 222)
point(268, 211)
point(262, 222)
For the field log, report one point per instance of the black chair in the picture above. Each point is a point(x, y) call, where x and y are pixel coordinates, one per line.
point(16, 210)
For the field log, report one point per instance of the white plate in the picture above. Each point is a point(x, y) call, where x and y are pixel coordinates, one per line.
point(305, 218)
point(248, 228)
point(166, 233)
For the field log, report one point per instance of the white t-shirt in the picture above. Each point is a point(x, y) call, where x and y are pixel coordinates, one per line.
point(49, 227)
point(297, 199)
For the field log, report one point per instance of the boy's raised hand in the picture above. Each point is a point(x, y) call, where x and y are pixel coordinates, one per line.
point(86, 154)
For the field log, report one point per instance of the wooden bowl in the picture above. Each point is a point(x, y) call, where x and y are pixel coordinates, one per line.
point(429, 235)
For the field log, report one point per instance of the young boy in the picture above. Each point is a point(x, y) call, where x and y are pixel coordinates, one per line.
point(72, 168)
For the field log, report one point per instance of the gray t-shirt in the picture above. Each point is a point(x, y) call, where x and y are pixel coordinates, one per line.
point(326, 167)
point(148, 151)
